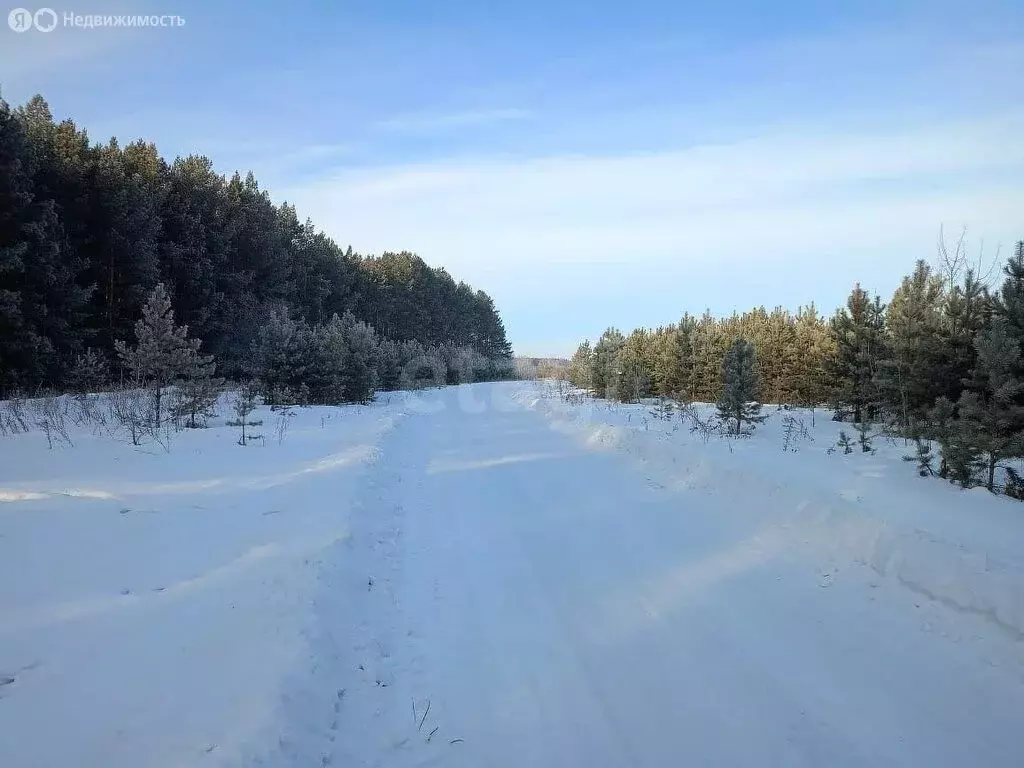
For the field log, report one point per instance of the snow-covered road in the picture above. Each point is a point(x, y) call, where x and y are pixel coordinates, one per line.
point(510, 597)
point(488, 577)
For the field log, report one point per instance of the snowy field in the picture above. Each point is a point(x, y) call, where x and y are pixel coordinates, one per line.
point(487, 575)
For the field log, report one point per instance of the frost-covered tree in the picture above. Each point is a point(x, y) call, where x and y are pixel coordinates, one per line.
point(163, 352)
point(90, 373)
point(389, 365)
point(196, 395)
point(276, 357)
point(360, 373)
point(323, 352)
point(421, 366)
point(740, 386)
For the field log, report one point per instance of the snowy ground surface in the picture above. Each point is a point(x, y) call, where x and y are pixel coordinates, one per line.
point(488, 576)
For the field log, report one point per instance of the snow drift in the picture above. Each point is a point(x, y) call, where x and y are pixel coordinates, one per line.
point(958, 547)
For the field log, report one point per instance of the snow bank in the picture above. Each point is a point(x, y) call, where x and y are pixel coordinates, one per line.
point(154, 603)
point(960, 548)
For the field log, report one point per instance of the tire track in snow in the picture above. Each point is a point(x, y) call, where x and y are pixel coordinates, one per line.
point(345, 707)
point(540, 604)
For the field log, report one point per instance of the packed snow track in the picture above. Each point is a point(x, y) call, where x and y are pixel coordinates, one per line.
point(470, 578)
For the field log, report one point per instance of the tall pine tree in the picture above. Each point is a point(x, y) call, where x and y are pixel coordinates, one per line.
point(606, 372)
point(991, 411)
point(909, 376)
point(581, 366)
point(858, 336)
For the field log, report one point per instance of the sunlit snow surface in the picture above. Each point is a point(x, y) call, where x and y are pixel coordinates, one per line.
point(487, 575)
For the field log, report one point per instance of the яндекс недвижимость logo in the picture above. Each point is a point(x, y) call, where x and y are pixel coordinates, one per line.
point(47, 19)
point(22, 19)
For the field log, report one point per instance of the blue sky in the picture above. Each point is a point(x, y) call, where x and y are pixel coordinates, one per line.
point(591, 163)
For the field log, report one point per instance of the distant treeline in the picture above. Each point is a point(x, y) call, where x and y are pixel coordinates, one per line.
point(541, 367)
point(88, 230)
point(943, 360)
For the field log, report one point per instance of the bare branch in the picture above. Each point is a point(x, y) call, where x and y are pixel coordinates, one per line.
point(951, 265)
point(955, 262)
point(987, 272)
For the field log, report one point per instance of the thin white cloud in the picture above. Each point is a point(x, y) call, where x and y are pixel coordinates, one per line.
point(789, 193)
point(281, 151)
point(319, 151)
point(803, 215)
point(270, 163)
point(445, 122)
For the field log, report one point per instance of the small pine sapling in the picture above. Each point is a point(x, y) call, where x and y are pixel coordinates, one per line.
point(844, 442)
point(740, 387)
point(195, 399)
point(245, 402)
point(90, 373)
point(864, 436)
point(284, 416)
point(923, 456)
point(794, 432)
point(1014, 487)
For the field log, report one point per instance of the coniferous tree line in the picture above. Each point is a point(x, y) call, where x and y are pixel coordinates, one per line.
point(684, 361)
point(87, 232)
point(531, 368)
point(942, 361)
